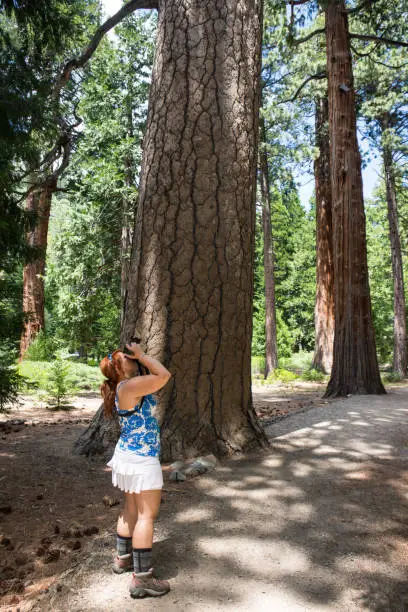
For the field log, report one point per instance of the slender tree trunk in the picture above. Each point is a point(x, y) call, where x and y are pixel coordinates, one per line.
point(324, 304)
point(38, 202)
point(127, 216)
point(400, 329)
point(355, 365)
point(271, 351)
point(190, 286)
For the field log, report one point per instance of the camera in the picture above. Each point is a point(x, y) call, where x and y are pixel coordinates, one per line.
point(136, 339)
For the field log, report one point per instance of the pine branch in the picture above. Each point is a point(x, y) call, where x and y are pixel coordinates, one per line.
point(63, 145)
point(318, 76)
point(79, 62)
point(359, 7)
point(387, 41)
point(297, 41)
point(377, 61)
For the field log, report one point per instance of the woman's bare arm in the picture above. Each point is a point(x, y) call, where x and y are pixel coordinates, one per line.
point(154, 366)
point(143, 385)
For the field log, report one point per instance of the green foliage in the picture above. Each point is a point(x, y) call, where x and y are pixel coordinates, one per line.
point(33, 45)
point(10, 378)
point(295, 276)
point(81, 377)
point(57, 383)
point(313, 375)
point(35, 374)
point(391, 377)
point(380, 274)
point(294, 231)
point(34, 41)
point(285, 376)
point(258, 365)
point(43, 347)
point(301, 360)
point(84, 377)
point(285, 337)
point(85, 252)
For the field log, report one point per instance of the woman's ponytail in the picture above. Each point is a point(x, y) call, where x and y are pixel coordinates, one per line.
point(112, 370)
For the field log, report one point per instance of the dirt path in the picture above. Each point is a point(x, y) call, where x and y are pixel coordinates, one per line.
point(318, 522)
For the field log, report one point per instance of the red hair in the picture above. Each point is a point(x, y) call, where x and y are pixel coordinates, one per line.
point(113, 371)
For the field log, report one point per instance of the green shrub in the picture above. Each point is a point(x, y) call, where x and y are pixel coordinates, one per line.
point(258, 365)
point(81, 377)
point(42, 348)
point(58, 384)
point(92, 362)
point(313, 375)
point(11, 379)
point(392, 377)
point(284, 337)
point(281, 374)
point(301, 360)
point(85, 377)
point(35, 374)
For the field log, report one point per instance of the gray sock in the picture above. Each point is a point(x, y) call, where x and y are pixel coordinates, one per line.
point(123, 545)
point(142, 560)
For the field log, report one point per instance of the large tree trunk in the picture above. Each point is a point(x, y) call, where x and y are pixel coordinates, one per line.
point(271, 350)
point(324, 304)
point(400, 329)
point(100, 437)
point(39, 203)
point(190, 287)
point(355, 365)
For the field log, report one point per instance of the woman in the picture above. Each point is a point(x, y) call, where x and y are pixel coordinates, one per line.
point(135, 463)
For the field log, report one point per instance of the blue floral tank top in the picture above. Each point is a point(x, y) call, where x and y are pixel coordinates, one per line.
point(140, 432)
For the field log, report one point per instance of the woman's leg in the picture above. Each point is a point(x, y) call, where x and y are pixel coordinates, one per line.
point(143, 582)
point(124, 532)
point(148, 505)
point(128, 517)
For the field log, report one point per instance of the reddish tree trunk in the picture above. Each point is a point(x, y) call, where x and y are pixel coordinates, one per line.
point(271, 351)
point(324, 305)
point(38, 202)
point(400, 328)
point(355, 365)
point(190, 286)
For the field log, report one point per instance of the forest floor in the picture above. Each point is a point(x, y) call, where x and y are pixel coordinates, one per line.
point(316, 522)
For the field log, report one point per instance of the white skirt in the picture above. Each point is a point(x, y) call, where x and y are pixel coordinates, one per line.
point(133, 473)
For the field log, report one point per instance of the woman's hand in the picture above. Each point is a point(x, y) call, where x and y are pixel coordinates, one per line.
point(136, 350)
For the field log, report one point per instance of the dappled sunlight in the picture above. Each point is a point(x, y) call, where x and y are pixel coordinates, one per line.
point(301, 470)
point(324, 449)
point(272, 462)
point(194, 514)
point(316, 522)
point(283, 556)
point(351, 564)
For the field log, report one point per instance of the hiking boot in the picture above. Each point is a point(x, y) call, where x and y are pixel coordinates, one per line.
point(144, 583)
point(121, 564)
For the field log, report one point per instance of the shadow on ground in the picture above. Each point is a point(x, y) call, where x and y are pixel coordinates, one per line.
point(318, 522)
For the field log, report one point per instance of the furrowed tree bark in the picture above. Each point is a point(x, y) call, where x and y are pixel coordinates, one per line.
point(190, 285)
point(400, 329)
point(100, 437)
point(271, 350)
point(38, 202)
point(355, 366)
point(324, 304)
